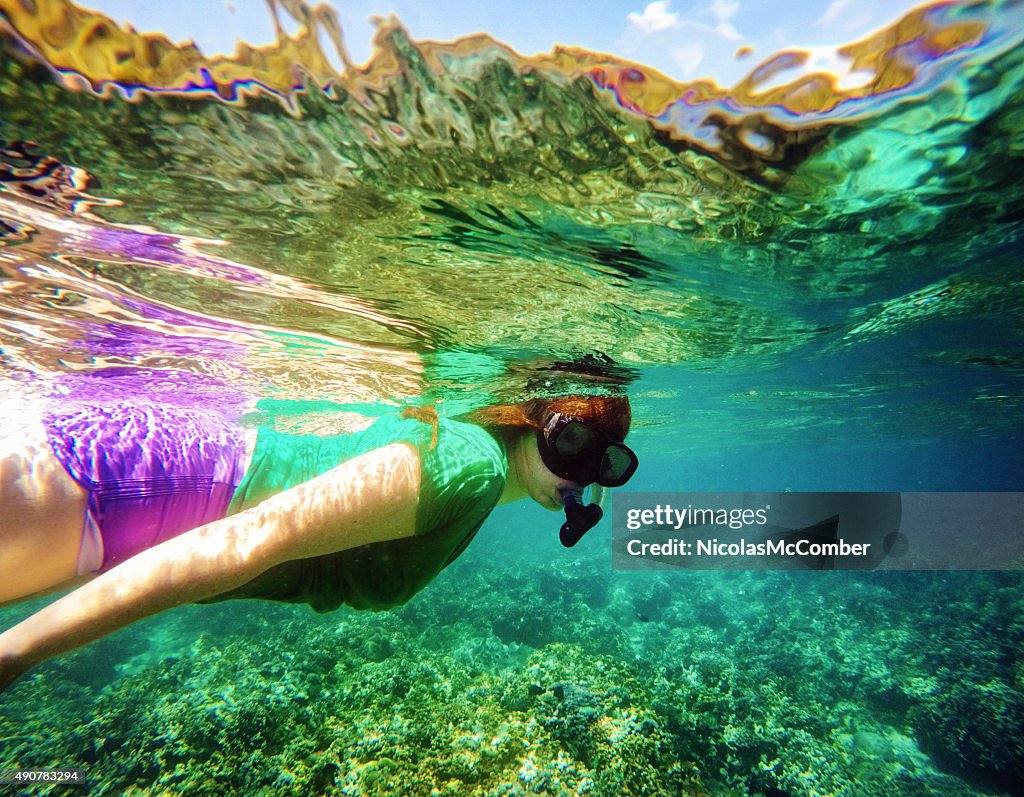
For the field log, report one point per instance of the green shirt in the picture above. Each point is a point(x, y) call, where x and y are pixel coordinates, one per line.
point(461, 479)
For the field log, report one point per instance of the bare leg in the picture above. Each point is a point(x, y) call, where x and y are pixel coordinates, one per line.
point(41, 510)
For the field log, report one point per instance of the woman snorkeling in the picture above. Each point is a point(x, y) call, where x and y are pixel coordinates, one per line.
point(147, 507)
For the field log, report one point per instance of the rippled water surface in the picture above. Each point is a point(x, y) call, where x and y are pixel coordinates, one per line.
point(456, 219)
point(805, 286)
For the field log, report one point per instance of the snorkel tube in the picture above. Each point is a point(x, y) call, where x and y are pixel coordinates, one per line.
point(579, 517)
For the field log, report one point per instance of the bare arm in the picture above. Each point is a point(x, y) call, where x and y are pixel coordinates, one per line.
point(368, 499)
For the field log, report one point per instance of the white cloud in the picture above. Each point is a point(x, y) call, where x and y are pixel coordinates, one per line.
point(725, 9)
point(727, 31)
point(658, 27)
point(688, 57)
point(655, 17)
point(722, 11)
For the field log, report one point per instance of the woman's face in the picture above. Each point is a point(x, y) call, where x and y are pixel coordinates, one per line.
point(537, 481)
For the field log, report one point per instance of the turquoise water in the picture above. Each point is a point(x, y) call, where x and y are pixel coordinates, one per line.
point(800, 288)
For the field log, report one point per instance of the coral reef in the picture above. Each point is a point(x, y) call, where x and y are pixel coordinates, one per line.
point(565, 681)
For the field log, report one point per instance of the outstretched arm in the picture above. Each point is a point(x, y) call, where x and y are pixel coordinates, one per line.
point(368, 499)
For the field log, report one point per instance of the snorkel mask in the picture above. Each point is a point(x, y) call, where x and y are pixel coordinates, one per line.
point(573, 449)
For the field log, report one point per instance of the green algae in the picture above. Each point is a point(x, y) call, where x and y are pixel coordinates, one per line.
point(682, 685)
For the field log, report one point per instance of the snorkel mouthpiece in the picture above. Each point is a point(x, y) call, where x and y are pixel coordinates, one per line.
point(579, 517)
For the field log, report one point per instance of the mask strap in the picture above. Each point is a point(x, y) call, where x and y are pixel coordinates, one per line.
point(550, 422)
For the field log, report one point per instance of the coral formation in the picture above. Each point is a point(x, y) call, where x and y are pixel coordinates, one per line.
point(566, 681)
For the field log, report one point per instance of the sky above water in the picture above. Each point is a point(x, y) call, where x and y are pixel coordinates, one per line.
point(686, 39)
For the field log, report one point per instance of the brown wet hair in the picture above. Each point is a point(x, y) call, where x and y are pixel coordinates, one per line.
point(611, 414)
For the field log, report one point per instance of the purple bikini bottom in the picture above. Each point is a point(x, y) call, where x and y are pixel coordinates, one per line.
point(151, 471)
